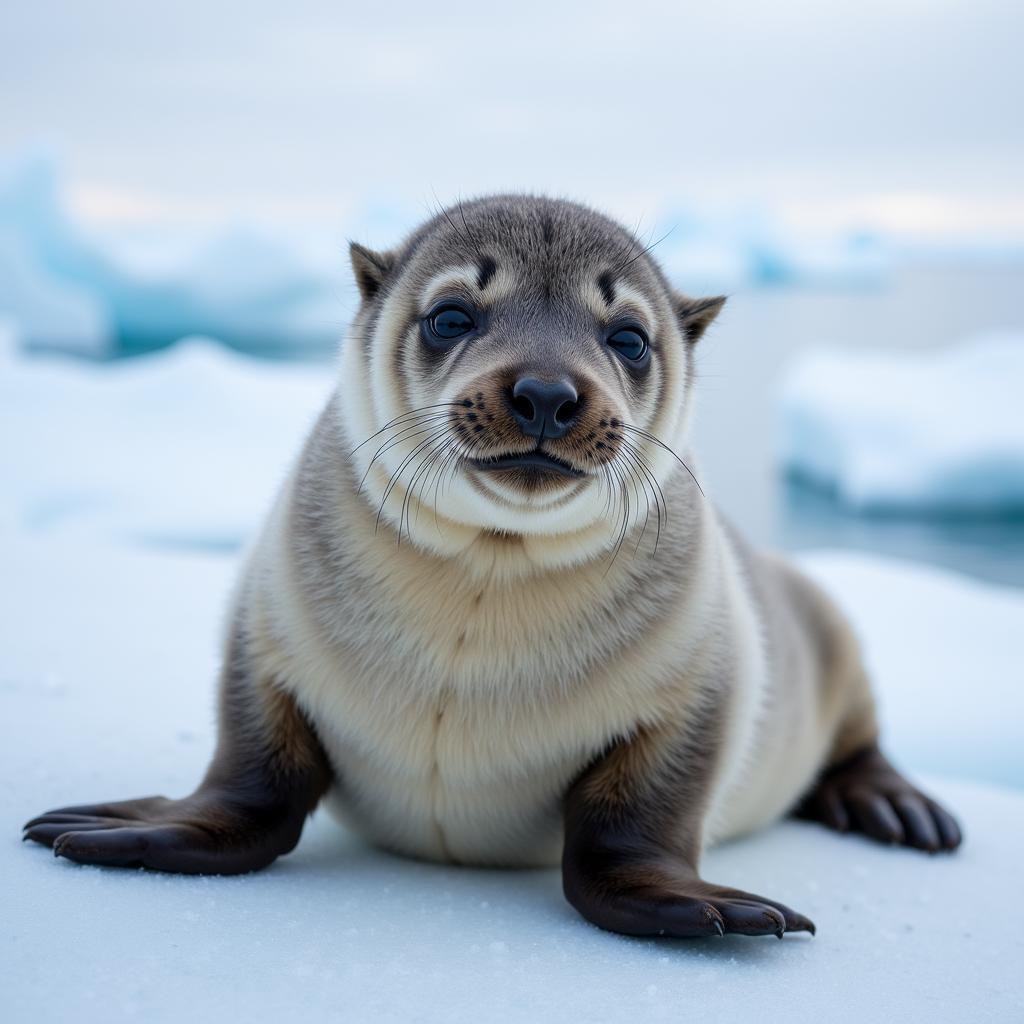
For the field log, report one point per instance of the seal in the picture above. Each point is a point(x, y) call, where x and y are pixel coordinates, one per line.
point(493, 619)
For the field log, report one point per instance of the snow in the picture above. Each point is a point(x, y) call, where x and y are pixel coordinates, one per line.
point(106, 691)
point(938, 433)
point(126, 493)
point(140, 450)
point(940, 648)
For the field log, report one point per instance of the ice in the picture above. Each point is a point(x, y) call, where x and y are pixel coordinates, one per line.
point(106, 691)
point(278, 288)
point(934, 432)
point(854, 260)
point(70, 287)
point(50, 279)
point(725, 251)
point(53, 312)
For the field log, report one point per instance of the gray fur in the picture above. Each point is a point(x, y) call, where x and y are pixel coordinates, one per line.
point(407, 675)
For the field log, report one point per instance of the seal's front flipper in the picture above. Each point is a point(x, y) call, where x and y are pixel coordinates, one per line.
point(641, 898)
point(633, 825)
point(865, 793)
point(268, 774)
point(211, 832)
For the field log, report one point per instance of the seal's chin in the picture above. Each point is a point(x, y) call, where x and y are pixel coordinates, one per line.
point(536, 464)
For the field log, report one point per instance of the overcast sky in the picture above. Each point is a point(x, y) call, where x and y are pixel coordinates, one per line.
point(905, 114)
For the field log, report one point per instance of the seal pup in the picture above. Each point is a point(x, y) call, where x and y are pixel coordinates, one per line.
point(493, 618)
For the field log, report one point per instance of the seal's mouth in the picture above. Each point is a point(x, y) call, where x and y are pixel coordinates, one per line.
point(532, 460)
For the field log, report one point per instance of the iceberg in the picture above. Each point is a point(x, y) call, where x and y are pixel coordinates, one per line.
point(724, 252)
point(923, 433)
point(272, 291)
point(71, 288)
point(52, 311)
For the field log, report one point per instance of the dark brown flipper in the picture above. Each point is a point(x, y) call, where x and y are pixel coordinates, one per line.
point(632, 843)
point(268, 774)
point(865, 793)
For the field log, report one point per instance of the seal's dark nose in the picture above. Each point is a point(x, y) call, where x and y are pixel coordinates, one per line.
point(544, 409)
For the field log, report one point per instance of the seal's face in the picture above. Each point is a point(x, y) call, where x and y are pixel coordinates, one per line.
point(517, 366)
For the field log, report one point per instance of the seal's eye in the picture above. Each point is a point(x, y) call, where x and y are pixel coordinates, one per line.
point(447, 323)
point(630, 342)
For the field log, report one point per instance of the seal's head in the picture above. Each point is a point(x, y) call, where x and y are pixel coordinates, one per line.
point(518, 365)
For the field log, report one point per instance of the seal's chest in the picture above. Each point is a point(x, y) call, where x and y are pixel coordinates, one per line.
point(458, 739)
point(458, 783)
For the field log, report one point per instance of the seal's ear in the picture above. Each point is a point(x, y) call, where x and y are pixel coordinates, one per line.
point(696, 314)
point(371, 269)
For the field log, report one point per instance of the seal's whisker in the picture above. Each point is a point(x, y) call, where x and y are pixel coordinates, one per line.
point(644, 251)
point(426, 460)
point(660, 501)
point(422, 470)
point(451, 455)
point(625, 517)
point(632, 465)
point(661, 444)
point(406, 434)
point(392, 482)
point(421, 411)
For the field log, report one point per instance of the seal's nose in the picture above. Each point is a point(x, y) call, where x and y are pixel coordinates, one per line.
point(544, 409)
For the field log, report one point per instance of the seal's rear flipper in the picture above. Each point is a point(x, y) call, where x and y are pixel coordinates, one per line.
point(865, 793)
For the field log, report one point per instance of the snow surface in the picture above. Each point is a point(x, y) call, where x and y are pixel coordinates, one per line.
point(184, 447)
point(106, 691)
point(940, 648)
point(937, 432)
